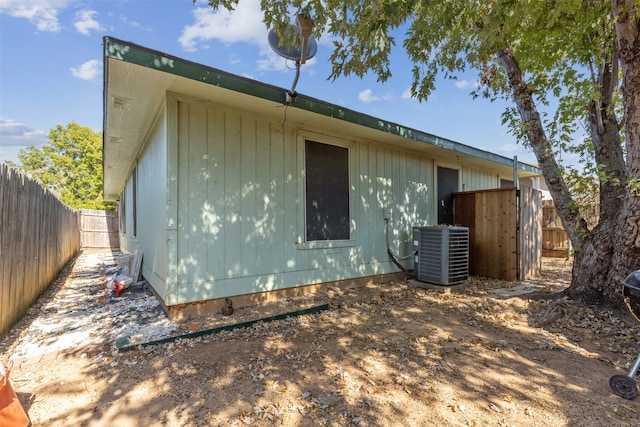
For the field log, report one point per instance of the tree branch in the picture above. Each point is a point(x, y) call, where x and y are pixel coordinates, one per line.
point(574, 223)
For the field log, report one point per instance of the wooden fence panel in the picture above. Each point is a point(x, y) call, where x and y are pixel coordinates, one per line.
point(99, 229)
point(496, 250)
point(492, 219)
point(555, 242)
point(38, 236)
point(530, 233)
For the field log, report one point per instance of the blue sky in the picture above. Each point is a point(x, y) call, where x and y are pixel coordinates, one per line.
point(51, 69)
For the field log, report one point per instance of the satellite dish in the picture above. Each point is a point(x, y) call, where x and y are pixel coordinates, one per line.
point(304, 47)
point(294, 53)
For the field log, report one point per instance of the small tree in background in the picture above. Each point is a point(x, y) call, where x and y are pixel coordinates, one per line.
point(69, 165)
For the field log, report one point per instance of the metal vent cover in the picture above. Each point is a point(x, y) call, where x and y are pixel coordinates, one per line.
point(121, 102)
point(441, 254)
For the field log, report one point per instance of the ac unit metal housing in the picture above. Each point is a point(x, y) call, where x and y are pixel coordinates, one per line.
point(441, 254)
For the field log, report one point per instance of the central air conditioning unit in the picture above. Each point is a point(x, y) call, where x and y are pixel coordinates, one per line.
point(441, 254)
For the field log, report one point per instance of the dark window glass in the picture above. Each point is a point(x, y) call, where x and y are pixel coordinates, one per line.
point(447, 185)
point(327, 191)
point(122, 208)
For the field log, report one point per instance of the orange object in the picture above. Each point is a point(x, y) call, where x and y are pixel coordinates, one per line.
point(11, 411)
point(119, 287)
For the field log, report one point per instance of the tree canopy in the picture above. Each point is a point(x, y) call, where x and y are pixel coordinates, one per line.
point(570, 69)
point(69, 165)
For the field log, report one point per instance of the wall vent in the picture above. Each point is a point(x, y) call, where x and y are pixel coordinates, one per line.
point(441, 254)
point(122, 103)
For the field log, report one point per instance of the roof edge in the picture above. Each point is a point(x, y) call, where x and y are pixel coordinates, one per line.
point(135, 54)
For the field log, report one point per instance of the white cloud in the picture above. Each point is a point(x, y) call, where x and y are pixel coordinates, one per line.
point(87, 71)
point(367, 96)
point(407, 94)
point(85, 23)
point(18, 134)
point(467, 84)
point(244, 24)
point(510, 149)
point(326, 39)
point(271, 62)
point(41, 13)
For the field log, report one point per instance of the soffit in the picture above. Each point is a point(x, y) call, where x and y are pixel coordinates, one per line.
point(134, 95)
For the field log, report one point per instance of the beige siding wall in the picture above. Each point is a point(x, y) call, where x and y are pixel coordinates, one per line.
point(152, 201)
point(240, 210)
point(479, 179)
point(220, 204)
point(151, 204)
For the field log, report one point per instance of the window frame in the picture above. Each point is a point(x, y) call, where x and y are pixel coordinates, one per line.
point(302, 241)
point(122, 211)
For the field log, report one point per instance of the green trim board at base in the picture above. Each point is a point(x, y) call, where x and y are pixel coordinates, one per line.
point(123, 343)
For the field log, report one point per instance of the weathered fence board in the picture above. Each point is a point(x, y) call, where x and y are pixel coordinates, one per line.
point(38, 236)
point(555, 242)
point(99, 229)
point(530, 233)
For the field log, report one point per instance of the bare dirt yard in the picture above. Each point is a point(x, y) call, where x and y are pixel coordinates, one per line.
point(384, 355)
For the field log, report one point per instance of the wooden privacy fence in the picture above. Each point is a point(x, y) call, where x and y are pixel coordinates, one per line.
point(555, 242)
point(38, 236)
point(505, 231)
point(99, 229)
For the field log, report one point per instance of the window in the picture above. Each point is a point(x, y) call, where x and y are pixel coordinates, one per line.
point(505, 183)
point(447, 185)
point(327, 192)
point(122, 210)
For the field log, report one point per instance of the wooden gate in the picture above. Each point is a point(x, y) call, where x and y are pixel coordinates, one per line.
point(99, 229)
point(505, 231)
point(530, 233)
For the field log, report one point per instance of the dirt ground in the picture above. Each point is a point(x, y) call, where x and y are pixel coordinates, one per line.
point(385, 355)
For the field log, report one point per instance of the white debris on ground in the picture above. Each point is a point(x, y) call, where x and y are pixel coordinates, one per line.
point(78, 310)
point(74, 314)
point(141, 319)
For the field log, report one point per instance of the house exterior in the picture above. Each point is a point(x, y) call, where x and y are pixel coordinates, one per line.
point(228, 195)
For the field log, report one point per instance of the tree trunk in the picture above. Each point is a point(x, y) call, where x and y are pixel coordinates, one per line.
point(591, 265)
point(574, 224)
point(626, 256)
point(593, 257)
point(605, 255)
point(604, 130)
point(597, 252)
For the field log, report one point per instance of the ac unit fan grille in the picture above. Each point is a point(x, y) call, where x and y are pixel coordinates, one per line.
point(442, 254)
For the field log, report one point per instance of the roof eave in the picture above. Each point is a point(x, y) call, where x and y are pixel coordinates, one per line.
point(156, 60)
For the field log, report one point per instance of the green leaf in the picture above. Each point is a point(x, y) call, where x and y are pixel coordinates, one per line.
point(69, 165)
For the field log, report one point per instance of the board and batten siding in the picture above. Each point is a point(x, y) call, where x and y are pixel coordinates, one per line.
point(478, 179)
point(220, 204)
point(240, 210)
point(151, 205)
